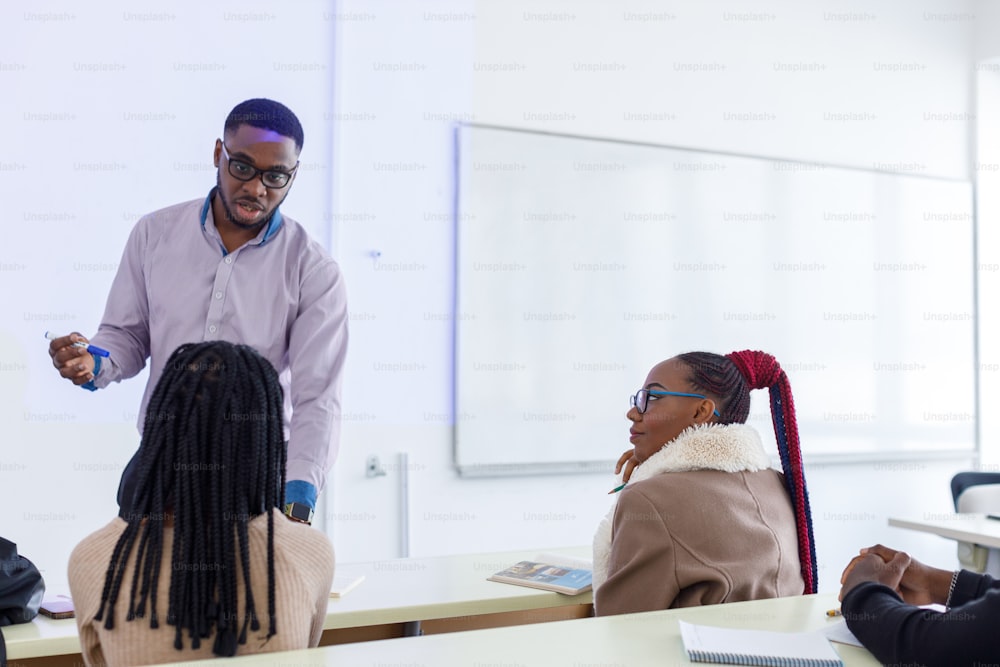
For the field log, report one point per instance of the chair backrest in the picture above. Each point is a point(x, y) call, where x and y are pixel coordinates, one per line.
point(980, 499)
point(976, 491)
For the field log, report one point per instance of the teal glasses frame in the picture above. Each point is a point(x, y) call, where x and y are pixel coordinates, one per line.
point(640, 399)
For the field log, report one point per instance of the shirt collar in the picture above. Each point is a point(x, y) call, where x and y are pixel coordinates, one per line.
point(272, 227)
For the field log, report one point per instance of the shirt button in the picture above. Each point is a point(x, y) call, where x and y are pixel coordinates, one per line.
point(218, 295)
point(229, 260)
point(213, 328)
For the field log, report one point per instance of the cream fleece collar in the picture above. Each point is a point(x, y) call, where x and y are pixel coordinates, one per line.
point(725, 447)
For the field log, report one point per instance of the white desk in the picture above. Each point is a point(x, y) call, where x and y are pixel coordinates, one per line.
point(41, 638)
point(631, 640)
point(445, 594)
point(960, 527)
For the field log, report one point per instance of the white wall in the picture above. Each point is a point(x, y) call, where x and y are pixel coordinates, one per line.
point(986, 158)
point(110, 111)
point(832, 81)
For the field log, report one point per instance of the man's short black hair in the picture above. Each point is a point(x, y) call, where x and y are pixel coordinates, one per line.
point(267, 115)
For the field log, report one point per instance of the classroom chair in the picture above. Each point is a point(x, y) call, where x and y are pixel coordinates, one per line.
point(977, 492)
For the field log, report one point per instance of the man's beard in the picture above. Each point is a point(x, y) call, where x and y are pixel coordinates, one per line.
point(249, 226)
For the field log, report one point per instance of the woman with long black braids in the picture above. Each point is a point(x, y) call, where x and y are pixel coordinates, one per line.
point(206, 548)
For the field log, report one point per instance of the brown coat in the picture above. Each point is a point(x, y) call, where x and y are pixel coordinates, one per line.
point(707, 522)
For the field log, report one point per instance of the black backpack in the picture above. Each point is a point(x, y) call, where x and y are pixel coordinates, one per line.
point(21, 590)
point(21, 586)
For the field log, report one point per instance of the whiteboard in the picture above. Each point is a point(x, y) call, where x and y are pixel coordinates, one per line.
point(580, 263)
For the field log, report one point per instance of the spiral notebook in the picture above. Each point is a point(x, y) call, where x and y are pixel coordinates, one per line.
point(728, 646)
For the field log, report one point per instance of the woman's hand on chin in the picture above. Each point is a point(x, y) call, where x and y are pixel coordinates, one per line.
point(628, 462)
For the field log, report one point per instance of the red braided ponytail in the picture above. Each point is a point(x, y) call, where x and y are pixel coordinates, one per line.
point(761, 370)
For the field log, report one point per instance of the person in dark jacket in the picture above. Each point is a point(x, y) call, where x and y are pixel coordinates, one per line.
point(882, 590)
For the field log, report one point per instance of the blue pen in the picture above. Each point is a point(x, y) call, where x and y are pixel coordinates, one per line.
point(93, 349)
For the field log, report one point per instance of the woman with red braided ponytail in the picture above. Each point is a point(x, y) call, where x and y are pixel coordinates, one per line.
point(701, 517)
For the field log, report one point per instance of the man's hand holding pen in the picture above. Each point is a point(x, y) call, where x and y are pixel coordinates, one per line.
point(72, 360)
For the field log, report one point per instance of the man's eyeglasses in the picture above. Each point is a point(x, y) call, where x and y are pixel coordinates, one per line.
point(640, 400)
point(271, 178)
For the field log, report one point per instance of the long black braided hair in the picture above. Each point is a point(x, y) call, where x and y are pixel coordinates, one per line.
point(212, 456)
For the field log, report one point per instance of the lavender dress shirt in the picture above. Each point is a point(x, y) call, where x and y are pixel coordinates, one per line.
point(280, 293)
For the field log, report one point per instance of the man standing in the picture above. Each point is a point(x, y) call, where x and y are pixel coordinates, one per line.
point(232, 267)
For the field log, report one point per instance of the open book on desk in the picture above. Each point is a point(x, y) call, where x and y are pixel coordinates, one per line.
point(730, 646)
point(549, 572)
point(344, 579)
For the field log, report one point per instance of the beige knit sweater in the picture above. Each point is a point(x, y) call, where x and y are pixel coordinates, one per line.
point(303, 576)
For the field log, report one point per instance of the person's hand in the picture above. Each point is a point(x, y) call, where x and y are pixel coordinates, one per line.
point(73, 363)
point(870, 567)
point(916, 583)
point(627, 459)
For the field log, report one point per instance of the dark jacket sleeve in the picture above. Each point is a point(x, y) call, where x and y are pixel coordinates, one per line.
point(900, 633)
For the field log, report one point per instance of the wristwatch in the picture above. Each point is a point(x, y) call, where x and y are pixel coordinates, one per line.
point(299, 512)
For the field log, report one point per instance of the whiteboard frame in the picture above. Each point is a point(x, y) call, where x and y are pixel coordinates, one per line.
point(528, 468)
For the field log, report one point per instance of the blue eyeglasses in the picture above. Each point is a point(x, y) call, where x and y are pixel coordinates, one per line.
point(640, 400)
